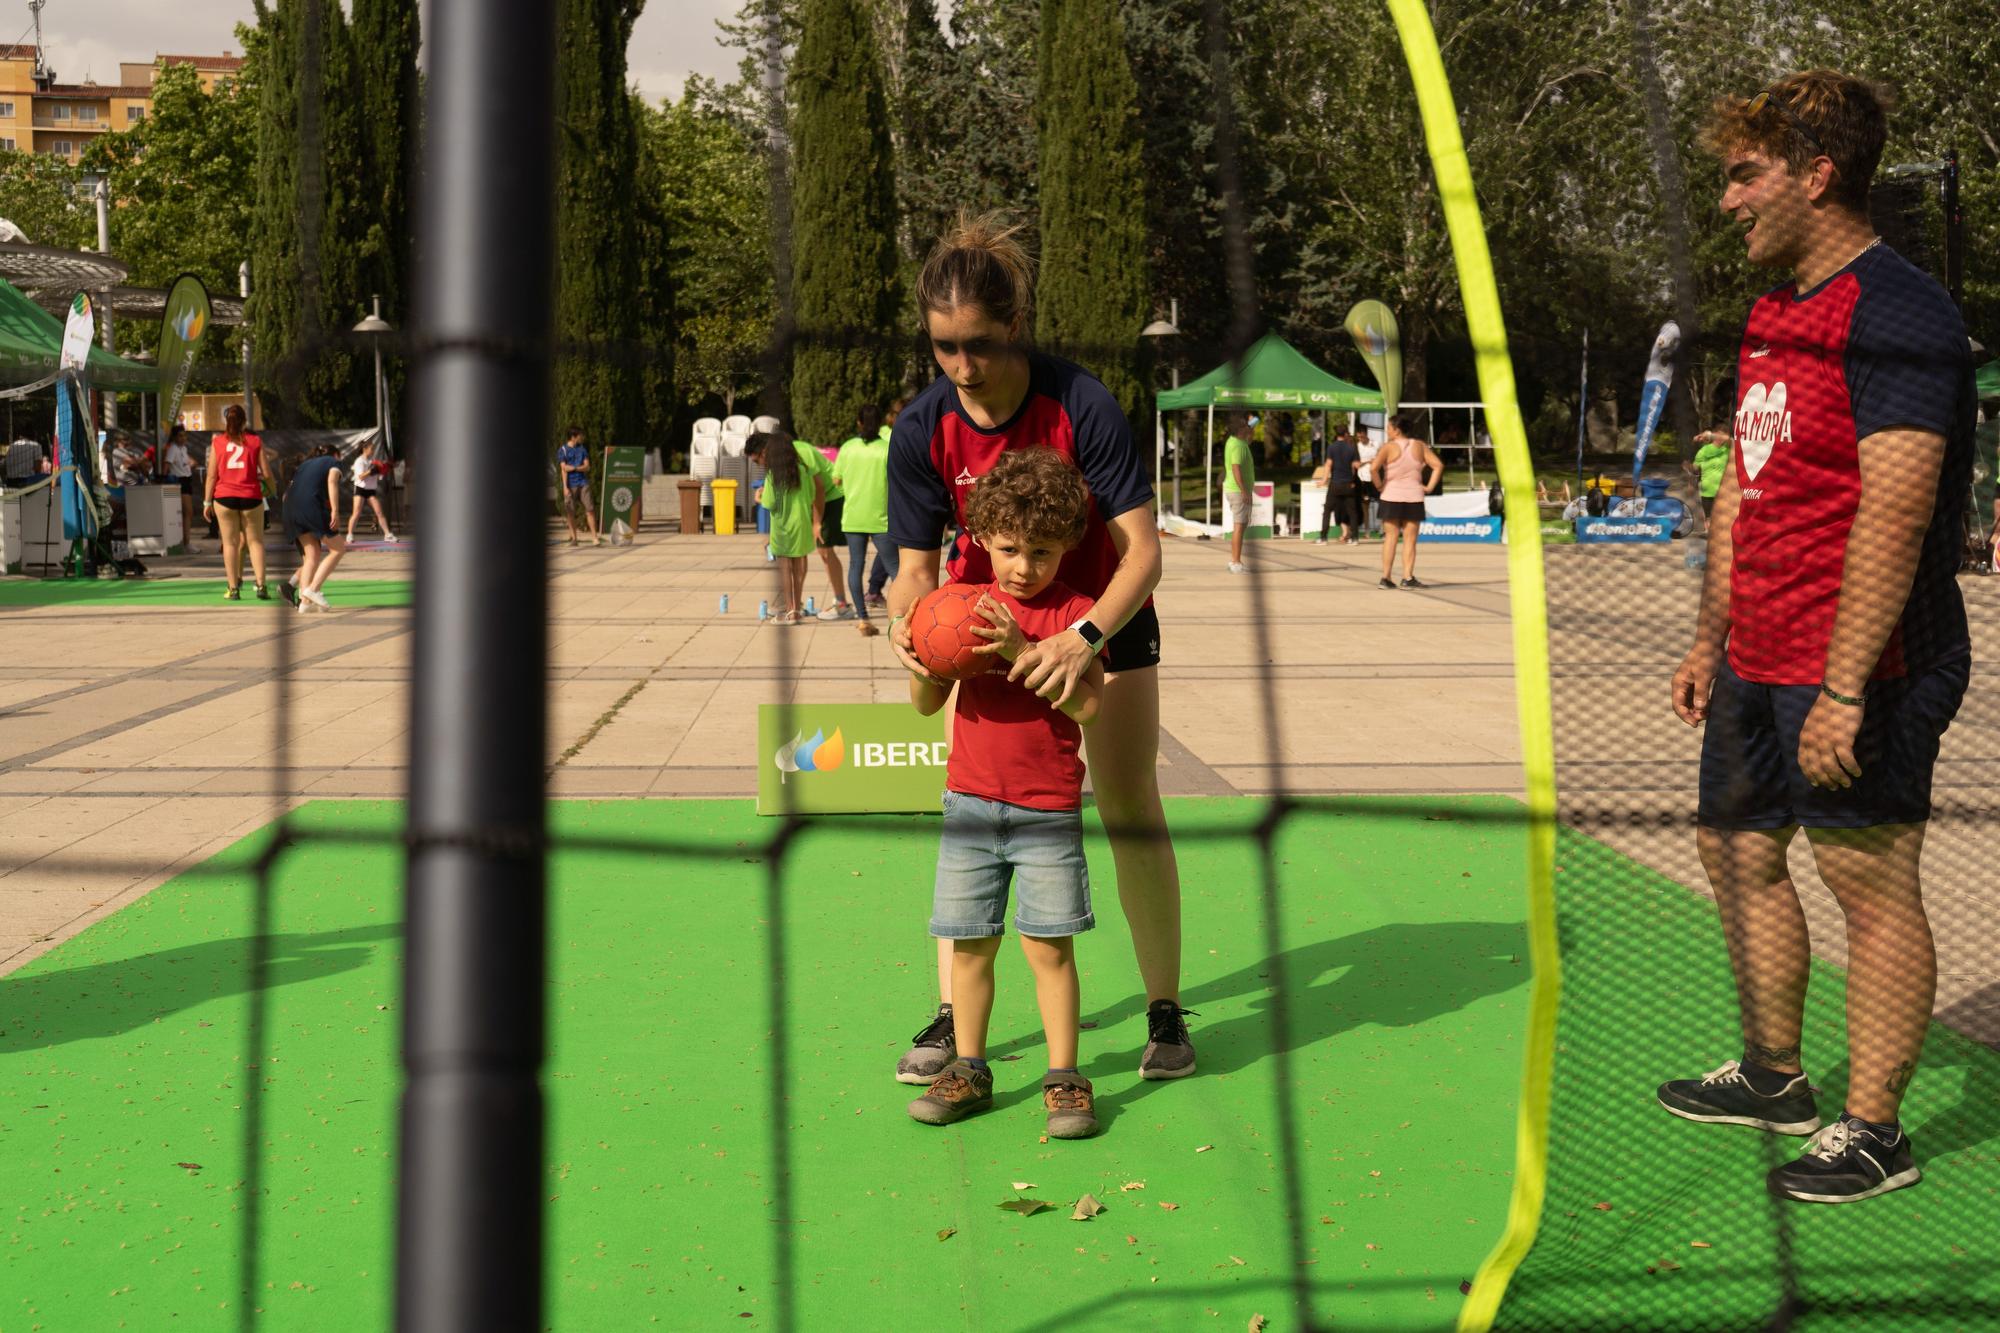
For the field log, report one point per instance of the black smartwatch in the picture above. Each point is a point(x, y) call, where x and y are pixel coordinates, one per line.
point(1091, 634)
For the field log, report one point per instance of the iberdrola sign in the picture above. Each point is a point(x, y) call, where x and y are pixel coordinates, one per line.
point(849, 758)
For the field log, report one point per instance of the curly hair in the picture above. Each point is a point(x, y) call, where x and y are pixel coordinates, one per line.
point(1847, 115)
point(1035, 494)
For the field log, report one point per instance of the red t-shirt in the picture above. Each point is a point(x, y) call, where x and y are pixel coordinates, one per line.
point(936, 453)
point(1876, 347)
point(238, 474)
point(1008, 744)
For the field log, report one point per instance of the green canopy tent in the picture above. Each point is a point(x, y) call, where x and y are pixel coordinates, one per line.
point(1987, 377)
point(31, 350)
point(1272, 374)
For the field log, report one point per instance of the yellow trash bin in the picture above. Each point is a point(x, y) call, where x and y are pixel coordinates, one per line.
point(724, 492)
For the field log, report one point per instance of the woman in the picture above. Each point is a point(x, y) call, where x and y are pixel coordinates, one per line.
point(794, 490)
point(880, 572)
point(1407, 469)
point(368, 473)
point(861, 470)
point(179, 467)
point(997, 393)
point(239, 474)
point(312, 504)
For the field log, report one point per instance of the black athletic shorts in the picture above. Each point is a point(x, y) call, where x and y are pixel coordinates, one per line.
point(830, 531)
point(316, 520)
point(1750, 775)
point(1135, 646)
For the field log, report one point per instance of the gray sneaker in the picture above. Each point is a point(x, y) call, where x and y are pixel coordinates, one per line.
point(1169, 1052)
point(1071, 1105)
point(930, 1050)
point(959, 1091)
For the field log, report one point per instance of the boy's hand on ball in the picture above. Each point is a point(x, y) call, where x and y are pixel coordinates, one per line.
point(901, 643)
point(1002, 632)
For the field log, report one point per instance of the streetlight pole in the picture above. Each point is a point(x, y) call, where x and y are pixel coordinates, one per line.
point(1167, 328)
point(243, 288)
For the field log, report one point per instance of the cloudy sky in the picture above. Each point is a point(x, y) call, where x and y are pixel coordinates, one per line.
point(86, 39)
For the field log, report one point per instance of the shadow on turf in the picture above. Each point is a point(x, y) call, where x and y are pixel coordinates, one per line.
point(42, 1009)
point(1391, 976)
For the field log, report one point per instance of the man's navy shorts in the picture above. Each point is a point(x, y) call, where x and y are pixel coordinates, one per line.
point(1750, 776)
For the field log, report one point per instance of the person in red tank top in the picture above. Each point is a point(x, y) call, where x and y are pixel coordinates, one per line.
point(996, 395)
point(1013, 801)
point(238, 475)
point(1831, 649)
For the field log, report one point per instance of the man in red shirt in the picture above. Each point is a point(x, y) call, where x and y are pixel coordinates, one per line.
point(1013, 801)
point(1831, 651)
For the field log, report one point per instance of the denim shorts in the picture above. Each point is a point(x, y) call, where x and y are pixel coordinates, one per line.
point(985, 845)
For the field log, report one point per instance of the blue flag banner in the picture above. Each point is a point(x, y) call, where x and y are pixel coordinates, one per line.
point(1653, 398)
point(75, 464)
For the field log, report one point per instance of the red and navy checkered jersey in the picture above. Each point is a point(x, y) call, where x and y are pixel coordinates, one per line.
point(1878, 346)
point(936, 454)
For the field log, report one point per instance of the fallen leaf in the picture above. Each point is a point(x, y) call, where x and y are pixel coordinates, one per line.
point(1701, 1245)
point(947, 1233)
point(1374, 1173)
point(1131, 1185)
point(1206, 1147)
point(1028, 1207)
point(1373, 1246)
point(1465, 1287)
point(1258, 1323)
point(1664, 1266)
point(1240, 1263)
point(1170, 1207)
point(1006, 1057)
point(189, 1166)
point(1131, 1240)
point(1086, 1208)
point(1025, 1185)
point(1086, 1026)
point(1602, 1207)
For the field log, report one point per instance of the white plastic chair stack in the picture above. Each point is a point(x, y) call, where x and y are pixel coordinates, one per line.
point(738, 425)
point(766, 424)
point(703, 455)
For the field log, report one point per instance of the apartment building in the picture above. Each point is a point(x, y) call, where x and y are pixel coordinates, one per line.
point(39, 114)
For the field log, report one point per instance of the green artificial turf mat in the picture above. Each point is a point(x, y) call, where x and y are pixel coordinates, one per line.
point(1647, 996)
point(122, 1059)
point(341, 592)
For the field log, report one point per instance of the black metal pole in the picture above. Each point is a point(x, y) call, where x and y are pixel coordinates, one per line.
point(469, 1225)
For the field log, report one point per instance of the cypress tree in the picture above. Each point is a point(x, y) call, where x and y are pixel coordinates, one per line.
point(596, 225)
point(1091, 299)
point(386, 37)
point(302, 258)
point(844, 277)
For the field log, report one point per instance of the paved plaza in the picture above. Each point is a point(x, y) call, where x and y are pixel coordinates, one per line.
point(138, 740)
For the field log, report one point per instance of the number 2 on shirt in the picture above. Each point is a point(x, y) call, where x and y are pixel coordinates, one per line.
point(235, 456)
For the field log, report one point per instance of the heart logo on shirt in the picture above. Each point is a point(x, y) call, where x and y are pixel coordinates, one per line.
point(1759, 422)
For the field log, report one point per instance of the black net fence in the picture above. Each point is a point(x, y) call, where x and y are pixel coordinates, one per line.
point(564, 1063)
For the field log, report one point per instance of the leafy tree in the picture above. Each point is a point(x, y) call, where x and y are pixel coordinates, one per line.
point(1091, 297)
point(386, 37)
point(713, 189)
point(844, 286)
point(597, 259)
point(44, 196)
point(655, 294)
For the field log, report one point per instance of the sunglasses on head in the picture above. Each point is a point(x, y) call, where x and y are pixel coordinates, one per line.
point(1770, 99)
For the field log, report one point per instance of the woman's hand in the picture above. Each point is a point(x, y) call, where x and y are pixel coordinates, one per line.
point(902, 644)
point(1002, 632)
point(1052, 667)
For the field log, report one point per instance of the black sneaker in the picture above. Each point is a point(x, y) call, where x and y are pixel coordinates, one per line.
point(1412, 582)
point(1169, 1053)
point(1724, 1097)
point(290, 592)
point(930, 1050)
point(1846, 1162)
point(959, 1091)
point(1385, 583)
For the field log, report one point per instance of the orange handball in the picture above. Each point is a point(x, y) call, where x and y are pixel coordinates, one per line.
point(941, 636)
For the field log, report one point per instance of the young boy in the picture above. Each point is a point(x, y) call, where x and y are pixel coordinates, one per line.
point(1013, 801)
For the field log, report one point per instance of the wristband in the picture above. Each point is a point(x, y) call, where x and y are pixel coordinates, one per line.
point(1839, 698)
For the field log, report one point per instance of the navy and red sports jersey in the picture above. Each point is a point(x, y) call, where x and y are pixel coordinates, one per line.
point(1007, 743)
point(936, 454)
point(1878, 346)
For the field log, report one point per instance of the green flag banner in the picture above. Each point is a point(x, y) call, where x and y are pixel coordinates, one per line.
point(1373, 327)
point(624, 476)
point(848, 758)
point(182, 325)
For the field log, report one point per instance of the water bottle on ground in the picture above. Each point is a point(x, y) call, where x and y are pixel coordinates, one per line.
point(725, 604)
point(764, 610)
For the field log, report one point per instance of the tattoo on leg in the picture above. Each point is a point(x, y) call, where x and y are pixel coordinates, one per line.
point(1771, 1057)
point(1900, 1078)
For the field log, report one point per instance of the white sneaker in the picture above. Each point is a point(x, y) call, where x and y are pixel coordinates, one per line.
point(314, 596)
point(841, 611)
point(1238, 568)
point(388, 536)
point(193, 548)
